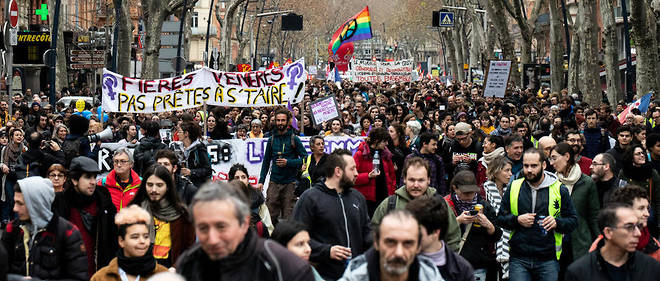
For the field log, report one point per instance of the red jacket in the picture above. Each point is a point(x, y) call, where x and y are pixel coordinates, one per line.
point(364, 184)
point(120, 197)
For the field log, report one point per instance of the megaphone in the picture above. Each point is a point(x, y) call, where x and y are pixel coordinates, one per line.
point(103, 135)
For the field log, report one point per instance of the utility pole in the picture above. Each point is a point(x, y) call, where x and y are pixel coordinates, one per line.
point(256, 44)
point(178, 48)
point(626, 42)
point(53, 46)
point(207, 58)
point(10, 63)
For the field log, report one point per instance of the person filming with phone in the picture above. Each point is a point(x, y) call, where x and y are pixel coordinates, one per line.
point(40, 155)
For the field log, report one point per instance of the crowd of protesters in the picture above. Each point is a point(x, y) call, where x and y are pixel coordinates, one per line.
point(446, 184)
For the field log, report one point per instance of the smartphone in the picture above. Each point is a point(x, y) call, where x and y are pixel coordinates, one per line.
point(474, 212)
point(441, 107)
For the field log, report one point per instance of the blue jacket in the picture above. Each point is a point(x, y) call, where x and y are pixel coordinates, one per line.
point(596, 142)
point(528, 242)
point(281, 143)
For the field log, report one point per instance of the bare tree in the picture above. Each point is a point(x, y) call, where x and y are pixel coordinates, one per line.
point(589, 66)
point(527, 25)
point(61, 76)
point(643, 33)
point(556, 48)
point(495, 9)
point(124, 36)
point(574, 64)
point(155, 12)
point(227, 26)
point(614, 92)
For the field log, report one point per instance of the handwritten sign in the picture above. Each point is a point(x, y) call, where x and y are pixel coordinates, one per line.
point(377, 71)
point(497, 79)
point(272, 87)
point(324, 109)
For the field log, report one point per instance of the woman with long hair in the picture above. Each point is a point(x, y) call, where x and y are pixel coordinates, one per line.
point(336, 129)
point(585, 199)
point(257, 202)
point(638, 170)
point(294, 236)
point(499, 174)
point(170, 230)
point(135, 260)
point(398, 148)
point(8, 159)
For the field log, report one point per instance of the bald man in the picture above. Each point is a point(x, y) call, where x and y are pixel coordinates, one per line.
point(546, 144)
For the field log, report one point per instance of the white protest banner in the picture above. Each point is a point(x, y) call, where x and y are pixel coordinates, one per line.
point(377, 71)
point(497, 78)
point(324, 109)
point(272, 87)
point(225, 153)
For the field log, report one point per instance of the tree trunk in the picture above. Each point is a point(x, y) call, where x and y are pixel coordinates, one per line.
point(646, 47)
point(496, 11)
point(614, 90)
point(124, 37)
point(589, 66)
point(457, 41)
point(557, 49)
point(451, 54)
point(61, 76)
point(574, 64)
point(226, 32)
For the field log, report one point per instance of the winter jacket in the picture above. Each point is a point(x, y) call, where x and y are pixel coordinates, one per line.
point(57, 251)
point(282, 145)
point(452, 234)
point(333, 219)
point(479, 246)
point(35, 162)
point(185, 188)
point(80, 147)
point(253, 259)
point(501, 132)
point(529, 242)
point(473, 152)
point(363, 160)
point(111, 272)
point(367, 267)
point(199, 163)
point(617, 153)
point(120, 197)
point(639, 267)
point(436, 170)
point(399, 154)
point(596, 142)
point(104, 222)
point(585, 202)
point(652, 248)
point(456, 268)
point(145, 151)
point(652, 186)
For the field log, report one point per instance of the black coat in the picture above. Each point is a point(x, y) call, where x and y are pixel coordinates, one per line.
point(106, 229)
point(57, 252)
point(35, 162)
point(325, 212)
point(254, 259)
point(144, 153)
point(199, 164)
point(639, 267)
point(185, 188)
point(457, 267)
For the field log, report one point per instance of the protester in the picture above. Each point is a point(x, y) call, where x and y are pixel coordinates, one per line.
point(258, 208)
point(40, 155)
point(398, 148)
point(134, 260)
point(196, 165)
point(122, 182)
point(623, 141)
point(336, 215)
point(313, 164)
point(427, 151)
point(294, 236)
point(394, 255)
point(38, 230)
point(184, 187)
point(493, 149)
point(151, 143)
point(10, 155)
point(57, 174)
point(375, 183)
point(286, 151)
point(499, 175)
point(617, 259)
point(637, 170)
point(228, 249)
point(91, 210)
point(170, 230)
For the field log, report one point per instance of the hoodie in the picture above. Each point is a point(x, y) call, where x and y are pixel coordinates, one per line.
point(529, 242)
point(39, 195)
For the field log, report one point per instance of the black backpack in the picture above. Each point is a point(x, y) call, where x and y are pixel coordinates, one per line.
point(71, 149)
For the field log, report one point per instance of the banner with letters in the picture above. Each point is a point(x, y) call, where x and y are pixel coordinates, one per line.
point(271, 87)
point(382, 71)
point(225, 153)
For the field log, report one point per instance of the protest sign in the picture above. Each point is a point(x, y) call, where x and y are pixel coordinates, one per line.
point(272, 87)
point(225, 153)
point(377, 71)
point(497, 78)
point(324, 109)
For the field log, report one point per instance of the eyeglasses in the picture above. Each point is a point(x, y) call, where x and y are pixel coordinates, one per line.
point(55, 176)
point(122, 162)
point(630, 227)
point(597, 164)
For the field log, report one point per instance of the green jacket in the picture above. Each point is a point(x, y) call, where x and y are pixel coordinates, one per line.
point(453, 233)
point(585, 201)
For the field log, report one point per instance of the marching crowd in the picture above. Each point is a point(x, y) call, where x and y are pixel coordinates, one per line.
point(446, 184)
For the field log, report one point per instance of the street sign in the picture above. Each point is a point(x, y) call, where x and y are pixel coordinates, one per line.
point(87, 66)
point(13, 36)
point(446, 19)
point(85, 59)
point(13, 13)
point(83, 53)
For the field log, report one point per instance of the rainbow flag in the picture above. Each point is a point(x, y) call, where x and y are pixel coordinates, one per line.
point(356, 28)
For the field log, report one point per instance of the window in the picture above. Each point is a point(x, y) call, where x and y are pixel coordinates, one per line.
point(195, 20)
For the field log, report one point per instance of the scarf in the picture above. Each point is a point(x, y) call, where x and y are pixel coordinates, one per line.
point(644, 239)
point(12, 153)
point(137, 266)
point(497, 153)
point(462, 206)
point(244, 253)
point(162, 210)
point(572, 177)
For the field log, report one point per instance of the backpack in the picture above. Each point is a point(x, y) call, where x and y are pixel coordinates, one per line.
point(71, 149)
point(391, 203)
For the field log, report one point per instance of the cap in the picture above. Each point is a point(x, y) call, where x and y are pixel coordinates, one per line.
point(84, 164)
point(465, 181)
point(462, 128)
